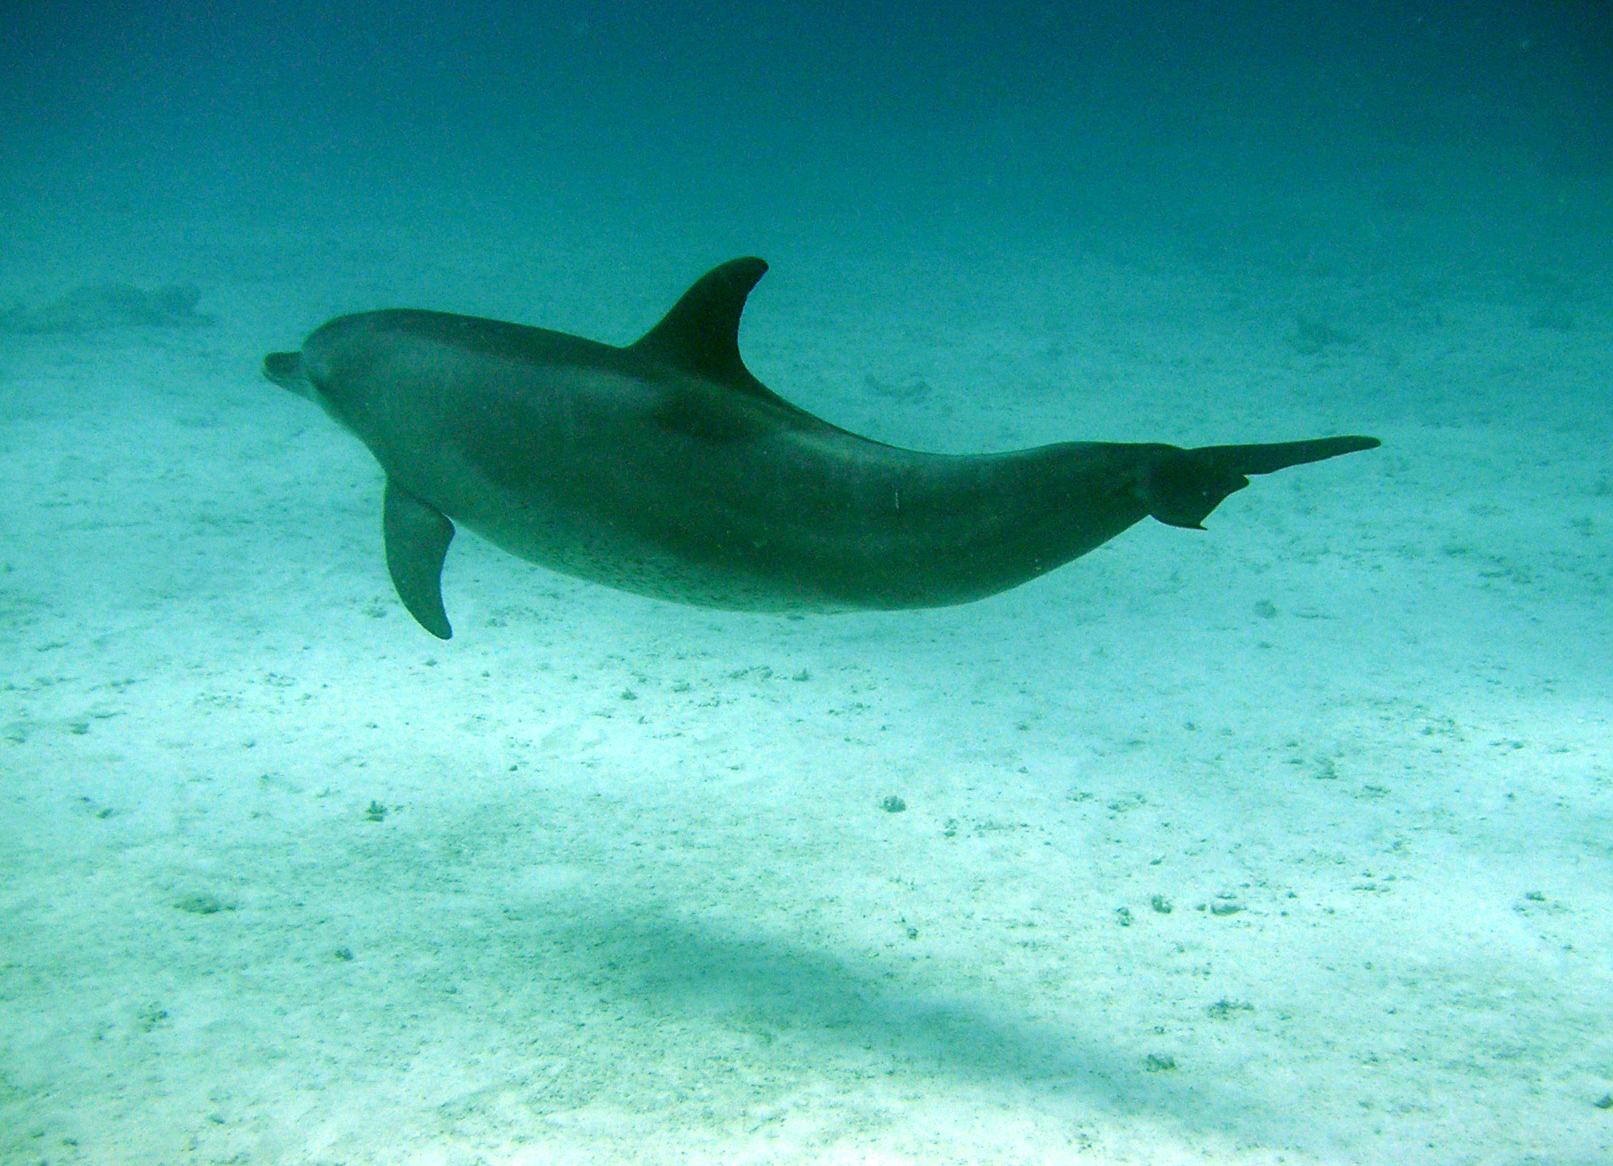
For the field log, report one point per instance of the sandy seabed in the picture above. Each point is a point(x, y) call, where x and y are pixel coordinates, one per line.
point(1288, 842)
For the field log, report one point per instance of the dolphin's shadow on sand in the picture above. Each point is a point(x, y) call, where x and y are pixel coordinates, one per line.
point(670, 967)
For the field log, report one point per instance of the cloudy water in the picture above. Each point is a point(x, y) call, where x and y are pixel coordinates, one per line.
point(1288, 840)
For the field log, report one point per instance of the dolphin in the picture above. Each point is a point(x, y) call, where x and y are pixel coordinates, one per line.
point(665, 468)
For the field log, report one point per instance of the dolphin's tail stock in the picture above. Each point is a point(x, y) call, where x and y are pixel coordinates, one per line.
point(1184, 485)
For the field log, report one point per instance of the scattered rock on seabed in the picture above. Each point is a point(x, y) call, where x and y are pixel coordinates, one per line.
point(110, 305)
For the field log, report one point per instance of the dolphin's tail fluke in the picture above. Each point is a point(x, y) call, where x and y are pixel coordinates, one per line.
point(1184, 485)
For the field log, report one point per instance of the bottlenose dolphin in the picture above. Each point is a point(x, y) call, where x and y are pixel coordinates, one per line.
point(667, 469)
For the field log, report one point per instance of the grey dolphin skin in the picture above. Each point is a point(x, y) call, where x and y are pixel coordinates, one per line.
point(667, 469)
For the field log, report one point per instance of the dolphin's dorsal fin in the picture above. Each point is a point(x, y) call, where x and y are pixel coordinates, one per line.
point(700, 335)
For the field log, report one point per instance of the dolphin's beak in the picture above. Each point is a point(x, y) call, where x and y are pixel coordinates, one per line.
point(285, 370)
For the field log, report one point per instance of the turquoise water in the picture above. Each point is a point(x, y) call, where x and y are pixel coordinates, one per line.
point(1285, 841)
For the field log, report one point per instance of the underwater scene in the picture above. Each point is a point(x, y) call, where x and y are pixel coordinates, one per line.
point(752, 583)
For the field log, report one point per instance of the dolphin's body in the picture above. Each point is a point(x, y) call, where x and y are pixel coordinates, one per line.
point(665, 468)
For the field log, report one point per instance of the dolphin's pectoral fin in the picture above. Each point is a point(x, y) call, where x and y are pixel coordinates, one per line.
point(1184, 485)
point(417, 538)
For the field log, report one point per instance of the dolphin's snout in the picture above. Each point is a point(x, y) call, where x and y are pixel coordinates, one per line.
point(285, 370)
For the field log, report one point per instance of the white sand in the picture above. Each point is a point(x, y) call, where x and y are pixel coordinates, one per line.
point(633, 897)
